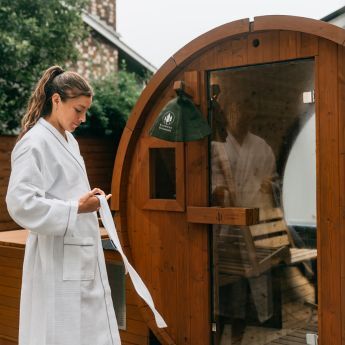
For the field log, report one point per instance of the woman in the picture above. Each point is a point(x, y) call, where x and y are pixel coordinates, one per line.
point(65, 296)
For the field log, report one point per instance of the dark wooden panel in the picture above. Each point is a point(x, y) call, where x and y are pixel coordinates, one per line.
point(328, 239)
point(4, 341)
point(99, 156)
point(341, 100)
point(11, 252)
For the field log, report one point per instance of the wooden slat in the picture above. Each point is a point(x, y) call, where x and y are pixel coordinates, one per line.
point(328, 234)
point(288, 45)
point(341, 97)
point(267, 50)
point(11, 252)
point(197, 194)
point(300, 254)
point(268, 228)
point(9, 291)
point(12, 302)
point(11, 282)
point(7, 341)
point(270, 213)
point(305, 25)
point(10, 262)
point(8, 332)
point(273, 242)
point(6, 271)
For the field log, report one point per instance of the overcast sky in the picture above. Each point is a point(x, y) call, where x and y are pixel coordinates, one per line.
point(156, 29)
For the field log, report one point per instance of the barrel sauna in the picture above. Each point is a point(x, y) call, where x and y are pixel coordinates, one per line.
point(264, 264)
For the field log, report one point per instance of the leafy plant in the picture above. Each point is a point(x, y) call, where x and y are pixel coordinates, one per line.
point(33, 36)
point(114, 98)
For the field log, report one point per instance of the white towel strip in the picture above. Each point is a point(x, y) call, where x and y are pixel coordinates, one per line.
point(139, 285)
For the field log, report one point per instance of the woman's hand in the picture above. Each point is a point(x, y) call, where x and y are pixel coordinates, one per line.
point(89, 202)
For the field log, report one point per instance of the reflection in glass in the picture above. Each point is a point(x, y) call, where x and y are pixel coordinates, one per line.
point(264, 275)
point(162, 173)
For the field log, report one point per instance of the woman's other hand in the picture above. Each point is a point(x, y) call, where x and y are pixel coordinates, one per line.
point(89, 202)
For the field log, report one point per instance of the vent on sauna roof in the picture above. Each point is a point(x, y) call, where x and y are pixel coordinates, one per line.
point(116, 276)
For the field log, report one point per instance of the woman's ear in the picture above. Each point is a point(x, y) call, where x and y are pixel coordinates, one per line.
point(56, 99)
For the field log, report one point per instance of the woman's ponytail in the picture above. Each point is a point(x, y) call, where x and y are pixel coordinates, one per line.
point(38, 99)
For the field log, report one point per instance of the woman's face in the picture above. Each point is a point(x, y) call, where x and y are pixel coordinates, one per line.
point(68, 115)
point(238, 117)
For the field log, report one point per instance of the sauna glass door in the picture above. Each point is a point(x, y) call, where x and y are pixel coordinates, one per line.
point(262, 155)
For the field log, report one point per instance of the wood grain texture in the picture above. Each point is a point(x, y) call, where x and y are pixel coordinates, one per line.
point(328, 234)
point(99, 157)
point(222, 215)
point(304, 25)
point(173, 256)
point(341, 110)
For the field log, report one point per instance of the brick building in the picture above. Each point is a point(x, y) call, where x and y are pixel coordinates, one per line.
point(103, 50)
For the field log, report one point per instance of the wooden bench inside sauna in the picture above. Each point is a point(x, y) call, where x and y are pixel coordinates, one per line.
point(249, 251)
point(252, 249)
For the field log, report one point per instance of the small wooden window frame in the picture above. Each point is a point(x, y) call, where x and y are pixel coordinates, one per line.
point(148, 203)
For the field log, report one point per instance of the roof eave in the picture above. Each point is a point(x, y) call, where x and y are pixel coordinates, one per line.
point(112, 36)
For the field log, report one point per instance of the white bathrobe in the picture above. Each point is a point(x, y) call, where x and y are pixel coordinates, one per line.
point(65, 296)
point(242, 169)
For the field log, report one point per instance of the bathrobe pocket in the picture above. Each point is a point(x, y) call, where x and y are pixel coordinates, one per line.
point(79, 258)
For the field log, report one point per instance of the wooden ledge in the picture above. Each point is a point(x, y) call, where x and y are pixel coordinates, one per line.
point(223, 215)
point(17, 238)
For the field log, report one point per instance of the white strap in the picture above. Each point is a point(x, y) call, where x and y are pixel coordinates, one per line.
point(139, 285)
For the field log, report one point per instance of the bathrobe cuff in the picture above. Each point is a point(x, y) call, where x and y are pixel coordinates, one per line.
point(73, 213)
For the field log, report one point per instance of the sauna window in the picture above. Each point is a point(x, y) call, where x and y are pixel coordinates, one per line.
point(263, 155)
point(162, 173)
point(116, 276)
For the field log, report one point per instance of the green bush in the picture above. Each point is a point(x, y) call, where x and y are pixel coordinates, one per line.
point(34, 34)
point(114, 98)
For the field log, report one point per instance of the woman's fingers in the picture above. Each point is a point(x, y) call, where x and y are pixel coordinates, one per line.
point(97, 191)
point(108, 197)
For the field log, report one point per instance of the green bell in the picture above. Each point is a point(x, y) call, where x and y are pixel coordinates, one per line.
point(180, 120)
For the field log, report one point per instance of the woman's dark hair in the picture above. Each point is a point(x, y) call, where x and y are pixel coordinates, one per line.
point(54, 80)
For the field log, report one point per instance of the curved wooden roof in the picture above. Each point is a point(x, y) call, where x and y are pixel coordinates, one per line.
point(190, 51)
point(172, 67)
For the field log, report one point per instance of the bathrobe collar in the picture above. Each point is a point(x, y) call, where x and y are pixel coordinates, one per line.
point(65, 143)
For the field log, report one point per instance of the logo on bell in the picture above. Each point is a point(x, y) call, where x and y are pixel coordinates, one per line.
point(169, 118)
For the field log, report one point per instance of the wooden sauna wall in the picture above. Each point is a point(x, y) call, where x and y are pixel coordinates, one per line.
point(11, 261)
point(6, 146)
point(341, 111)
point(99, 156)
point(164, 255)
point(172, 255)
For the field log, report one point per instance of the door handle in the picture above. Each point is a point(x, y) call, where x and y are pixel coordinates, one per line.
point(222, 215)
